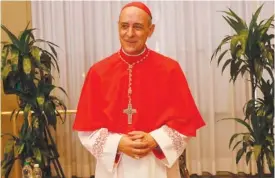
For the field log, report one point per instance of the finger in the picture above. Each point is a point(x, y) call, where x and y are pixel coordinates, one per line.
point(139, 145)
point(141, 152)
point(136, 133)
point(138, 140)
point(135, 137)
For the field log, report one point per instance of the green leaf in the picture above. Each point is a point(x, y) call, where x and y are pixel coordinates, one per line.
point(270, 159)
point(46, 58)
point(224, 41)
point(49, 109)
point(44, 41)
point(267, 38)
point(5, 72)
point(21, 148)
point(9, 147)
point(6, 166)
point(265, 27)
point(18, 149)
point(246, 137)
point(27, 65)
point(55, 60)
point(14, 56)
point(257, 151)
point(243, 69)
point(62, 89)
point(24, 40)
point(45, 88)
point(234, 68)
point(19, 110)
point(243, 41)
point(12, 37)
point(239, 155)
point(59, 103)
point(11, 135)
point(40, 100)
point(53, 50)
point(221, 56)
point(249, 108)
point(241, 122)
point(250, 49)
point(237, 144)
point(27, 25)
point(45, 68)
point(233, 46)
point(35, 123)
point(4, 54)
point(234, 24)
point(237, 23)
point(248, 157)
point(269, 139)
point(37, 154)
point(255, 17)
point(36, 52)
point(270, 57)
point(269, 72)
point(12, 113)
point(241, 22)
point(258, 70)
point(27, 109)
point(233, 137)
point(226, 63)
point(15, 111)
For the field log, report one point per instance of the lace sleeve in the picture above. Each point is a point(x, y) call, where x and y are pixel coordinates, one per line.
point(97, 148)
point(177, 139)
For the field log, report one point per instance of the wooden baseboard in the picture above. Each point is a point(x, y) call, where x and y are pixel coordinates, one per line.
point(220, 174)
point(225, 174)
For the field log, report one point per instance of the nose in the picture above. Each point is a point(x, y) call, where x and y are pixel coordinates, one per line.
point(130, 32)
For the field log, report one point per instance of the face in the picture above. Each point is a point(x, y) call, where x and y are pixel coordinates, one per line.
point(134, 29)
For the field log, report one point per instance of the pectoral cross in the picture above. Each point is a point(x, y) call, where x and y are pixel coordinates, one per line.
point(130, 111)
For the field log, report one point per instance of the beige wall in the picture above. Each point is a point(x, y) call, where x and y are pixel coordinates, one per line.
point(15, 16)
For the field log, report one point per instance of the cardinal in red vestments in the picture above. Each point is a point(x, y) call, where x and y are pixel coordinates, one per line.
point(136, 113)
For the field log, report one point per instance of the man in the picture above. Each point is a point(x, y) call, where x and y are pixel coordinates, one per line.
point(136, 112)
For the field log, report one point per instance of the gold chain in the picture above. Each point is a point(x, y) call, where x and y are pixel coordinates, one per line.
point(130, 68)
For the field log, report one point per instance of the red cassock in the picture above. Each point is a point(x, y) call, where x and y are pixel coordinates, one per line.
point(160, 95)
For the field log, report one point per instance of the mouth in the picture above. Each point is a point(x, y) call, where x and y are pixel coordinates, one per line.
point(132, 42)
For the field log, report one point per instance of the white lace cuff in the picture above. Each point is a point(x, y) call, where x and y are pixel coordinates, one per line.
point(171, 142)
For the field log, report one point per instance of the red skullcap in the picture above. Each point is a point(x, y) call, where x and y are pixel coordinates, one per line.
point(139, 5)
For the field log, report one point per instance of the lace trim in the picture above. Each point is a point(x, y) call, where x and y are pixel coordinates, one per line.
point(177, 139)
point(97, 148)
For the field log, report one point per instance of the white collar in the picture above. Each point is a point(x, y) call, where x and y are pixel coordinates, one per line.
point(133, 54)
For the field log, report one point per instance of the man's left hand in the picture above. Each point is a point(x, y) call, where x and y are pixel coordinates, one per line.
point(144, 137)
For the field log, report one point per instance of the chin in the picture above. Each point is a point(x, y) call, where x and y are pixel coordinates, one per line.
point(131, 50)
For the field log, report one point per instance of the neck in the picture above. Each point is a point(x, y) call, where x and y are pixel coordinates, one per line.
point(130, 58)
point(133, 54)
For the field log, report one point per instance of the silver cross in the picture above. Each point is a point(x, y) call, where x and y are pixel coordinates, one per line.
point(130, 111)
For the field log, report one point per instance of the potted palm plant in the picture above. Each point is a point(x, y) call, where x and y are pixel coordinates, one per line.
point(251, 54)
point(26, 73)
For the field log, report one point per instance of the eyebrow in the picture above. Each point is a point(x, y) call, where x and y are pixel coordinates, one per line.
point(136, 24)
point(139, 24)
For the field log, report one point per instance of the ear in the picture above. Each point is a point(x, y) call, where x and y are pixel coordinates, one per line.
point(151, 30)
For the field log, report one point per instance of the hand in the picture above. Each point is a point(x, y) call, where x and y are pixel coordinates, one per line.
point(145, 138)
point(133, 148)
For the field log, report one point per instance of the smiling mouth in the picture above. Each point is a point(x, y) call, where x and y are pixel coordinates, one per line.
point(131, 41)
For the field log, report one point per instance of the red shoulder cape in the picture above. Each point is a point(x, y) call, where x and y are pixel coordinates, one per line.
point(161, 96)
